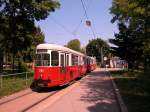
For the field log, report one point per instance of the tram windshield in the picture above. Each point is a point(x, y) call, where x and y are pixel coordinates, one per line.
point(42, 60)
point(54, 58)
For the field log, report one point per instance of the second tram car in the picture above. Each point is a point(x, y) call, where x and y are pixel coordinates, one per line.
point(91, 63)
point(57, 65)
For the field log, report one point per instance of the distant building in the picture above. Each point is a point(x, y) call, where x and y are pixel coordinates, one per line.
point(117, 62)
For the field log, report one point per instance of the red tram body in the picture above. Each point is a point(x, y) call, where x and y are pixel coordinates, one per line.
point(56, 65)
point(91, 64)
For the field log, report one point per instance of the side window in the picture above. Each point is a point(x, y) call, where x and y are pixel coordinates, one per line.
point(76, 60)
point(67, 60)
point(88, 60)
point(73, 59)
point(54, 58)
point(80, 62)
point(84, 60)
point(62, 60)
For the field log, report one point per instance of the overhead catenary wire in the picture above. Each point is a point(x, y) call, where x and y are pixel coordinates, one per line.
point(86, 15)
point(59, 24)
point(74, 32)
point(78, 25)
point(83, 5)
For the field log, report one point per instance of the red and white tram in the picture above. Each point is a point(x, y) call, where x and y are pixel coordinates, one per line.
point(91, 63)
point(57, 65)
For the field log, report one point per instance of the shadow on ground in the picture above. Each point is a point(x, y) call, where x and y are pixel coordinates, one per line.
point(99, 91)
point(134, 94)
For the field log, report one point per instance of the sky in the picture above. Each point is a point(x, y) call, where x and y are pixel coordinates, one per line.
point(68, 22)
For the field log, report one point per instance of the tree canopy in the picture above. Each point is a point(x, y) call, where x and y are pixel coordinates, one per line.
point(17, 18)
point(133, 39)
point(74, 44)
point(17, 22)
point(97, 48)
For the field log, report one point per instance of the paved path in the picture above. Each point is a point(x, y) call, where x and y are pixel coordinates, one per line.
point(94, 93)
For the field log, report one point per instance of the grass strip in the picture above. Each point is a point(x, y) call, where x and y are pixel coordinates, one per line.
point(12, 84)
point(133, 88)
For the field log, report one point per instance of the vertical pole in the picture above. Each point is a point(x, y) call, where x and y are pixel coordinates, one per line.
point(1, 81)
point(92, 52)
point(26, 78)
point(102, 56)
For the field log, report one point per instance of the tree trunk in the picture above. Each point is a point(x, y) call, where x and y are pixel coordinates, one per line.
point(13, 62)
point(147, 65)
point(1, 60)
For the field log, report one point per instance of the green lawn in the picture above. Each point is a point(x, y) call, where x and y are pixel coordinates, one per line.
point(133, 88)
point(12, 84)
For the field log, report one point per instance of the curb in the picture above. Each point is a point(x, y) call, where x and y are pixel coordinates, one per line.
point(120, 101)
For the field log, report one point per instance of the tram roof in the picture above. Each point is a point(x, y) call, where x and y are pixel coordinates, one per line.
point(57, 47)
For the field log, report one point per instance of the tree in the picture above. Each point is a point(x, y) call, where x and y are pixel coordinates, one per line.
point(19, 17)
point(3, 31)
point(83, 50)
point(97, 48)
point(74, 44)
point(127, 43)
point(135, 16)
point(38, 38)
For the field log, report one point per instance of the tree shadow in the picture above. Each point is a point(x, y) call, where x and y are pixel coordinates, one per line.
point(99, 91)
point(134, 94)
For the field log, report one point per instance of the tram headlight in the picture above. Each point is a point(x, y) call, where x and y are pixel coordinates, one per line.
point(41, 76)
point(41, 70)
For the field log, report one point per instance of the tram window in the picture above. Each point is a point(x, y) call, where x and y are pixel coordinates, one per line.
point(67, 60)
point(54, 58)
point(38, 56)
point(84, 60)
point(88, 60)
point(74, 60)
point(37, 60)
point(80, 62)
point(46, 57)
point(41, 50)
point(62, 60)
point(42, 60)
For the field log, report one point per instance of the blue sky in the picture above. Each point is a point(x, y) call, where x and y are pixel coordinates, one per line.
point(61, 25)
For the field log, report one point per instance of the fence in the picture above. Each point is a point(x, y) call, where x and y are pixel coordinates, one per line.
point(16, 74)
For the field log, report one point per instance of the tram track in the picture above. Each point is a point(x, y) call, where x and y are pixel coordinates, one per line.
point(12, 99)
point(29, 99)
point(50, 95)
point(26, 109)
point(51, 99)
point(43, 99)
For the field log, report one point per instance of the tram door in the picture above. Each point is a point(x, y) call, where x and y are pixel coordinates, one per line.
point(62, 66)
